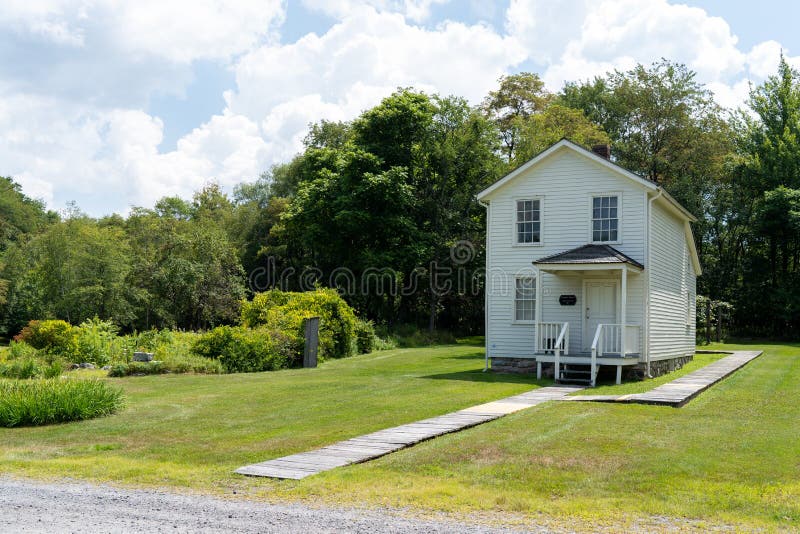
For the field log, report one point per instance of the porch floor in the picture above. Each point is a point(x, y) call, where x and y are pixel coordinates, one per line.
point(585, 358)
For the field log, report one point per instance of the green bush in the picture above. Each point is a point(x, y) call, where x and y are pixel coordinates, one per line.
point(285, 312)
point(18, 350)
point(42, 402)
point(386, 343)
point(53, 337)
point(178, 365)
point(365, 336)
point(150, 340)
point(137, 368)
point(245, 350)
point(175, 354)
point(95, 340)
point(22, 368)
point(26, 367)
point(411, 336)
point(54, 370)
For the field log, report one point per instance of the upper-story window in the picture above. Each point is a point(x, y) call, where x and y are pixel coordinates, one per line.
point(605, 218)
point(529, 222)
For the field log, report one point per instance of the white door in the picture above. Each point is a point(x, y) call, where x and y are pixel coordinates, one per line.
point(601, 308)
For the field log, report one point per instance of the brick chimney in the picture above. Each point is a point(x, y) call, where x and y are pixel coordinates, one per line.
point(604, 151)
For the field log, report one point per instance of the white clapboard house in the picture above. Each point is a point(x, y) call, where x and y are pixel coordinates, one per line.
point(587, 265)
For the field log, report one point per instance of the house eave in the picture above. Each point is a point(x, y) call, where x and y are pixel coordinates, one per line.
point(565, 143)
point(555, 267)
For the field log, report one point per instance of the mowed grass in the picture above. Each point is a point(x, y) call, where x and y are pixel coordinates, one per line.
point(730, 456)
point(193, 431)
point(606, 380)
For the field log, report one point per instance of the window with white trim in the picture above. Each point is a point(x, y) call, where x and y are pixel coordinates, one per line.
point(529, 222)
point(605, 218)
point(525, 299)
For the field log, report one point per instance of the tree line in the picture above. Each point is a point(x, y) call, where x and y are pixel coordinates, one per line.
point(394, 189)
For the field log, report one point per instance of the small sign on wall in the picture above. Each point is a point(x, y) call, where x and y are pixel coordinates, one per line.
point(567, 300)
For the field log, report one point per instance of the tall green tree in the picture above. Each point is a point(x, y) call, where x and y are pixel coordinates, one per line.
point(764, 214)
point(518, 97)
point(555, 122)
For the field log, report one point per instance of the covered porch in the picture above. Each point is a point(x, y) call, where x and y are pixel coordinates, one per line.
point(593, 326)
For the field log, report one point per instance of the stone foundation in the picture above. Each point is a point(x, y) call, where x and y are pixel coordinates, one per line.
point(528, 365)
point(513, 365)
point(660, 367)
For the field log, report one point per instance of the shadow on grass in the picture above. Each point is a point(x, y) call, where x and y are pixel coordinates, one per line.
point(757, 342)
point(478, 375)
point(477, 356)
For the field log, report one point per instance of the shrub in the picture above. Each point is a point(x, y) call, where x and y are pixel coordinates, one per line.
point(365, 336)
point(411, 336)
point(42, 402)
point(53, 337)
point(22, 368)
point(177, 357)
point(95, 340)
point(387, 343)
point(19, 350)
point(244, 350)
point(53, 370)
point(285, 312)
point(150, 340)
point(137, 368)
point(30, 367)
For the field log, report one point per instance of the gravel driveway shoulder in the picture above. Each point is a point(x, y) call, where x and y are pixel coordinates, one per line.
point(38, 507)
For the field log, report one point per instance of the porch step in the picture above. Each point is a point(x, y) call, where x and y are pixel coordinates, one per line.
point(572, 374)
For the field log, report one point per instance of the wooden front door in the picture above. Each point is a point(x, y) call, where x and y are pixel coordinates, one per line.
point(600, 308)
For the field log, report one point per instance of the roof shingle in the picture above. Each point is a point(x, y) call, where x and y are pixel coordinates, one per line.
point(590, 254)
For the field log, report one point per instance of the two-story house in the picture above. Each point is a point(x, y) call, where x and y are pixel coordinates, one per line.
point(587, 265)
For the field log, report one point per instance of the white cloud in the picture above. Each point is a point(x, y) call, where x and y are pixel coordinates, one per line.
point(111, 157)
point(72, 124)
point(359, 61)
point(591, 38)
point(177, 30)
point(414, 10)
point(545, 28)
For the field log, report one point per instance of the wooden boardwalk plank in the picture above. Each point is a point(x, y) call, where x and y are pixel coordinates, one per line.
point(382, 442)
point(681, 390)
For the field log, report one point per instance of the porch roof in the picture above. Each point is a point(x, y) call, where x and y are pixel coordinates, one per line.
point(594, 255)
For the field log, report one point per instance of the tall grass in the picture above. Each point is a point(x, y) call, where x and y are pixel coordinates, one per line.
point(42, 402)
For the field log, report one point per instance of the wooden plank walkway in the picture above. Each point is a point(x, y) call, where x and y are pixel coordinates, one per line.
point(681, 390)
point(376, 444)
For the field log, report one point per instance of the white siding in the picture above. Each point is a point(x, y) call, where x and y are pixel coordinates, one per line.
point(565, 182)
point(672, 288)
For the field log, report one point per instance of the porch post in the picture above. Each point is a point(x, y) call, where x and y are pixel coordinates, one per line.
point(623, 312)
point(538, 310)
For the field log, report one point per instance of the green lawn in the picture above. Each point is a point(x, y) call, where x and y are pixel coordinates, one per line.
point(194, 430)
point(732, 455)
point(606, 382)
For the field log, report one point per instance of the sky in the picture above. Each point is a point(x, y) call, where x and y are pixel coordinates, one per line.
point(114, 104)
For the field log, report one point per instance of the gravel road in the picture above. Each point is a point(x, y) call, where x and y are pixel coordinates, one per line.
point(35, 507)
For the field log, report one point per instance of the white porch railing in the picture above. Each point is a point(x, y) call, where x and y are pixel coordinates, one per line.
point(549, 337)
point(609, 340)
point(562, 343)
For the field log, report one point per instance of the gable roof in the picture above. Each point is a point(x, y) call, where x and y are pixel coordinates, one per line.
point(593, 254)
point(567, 144)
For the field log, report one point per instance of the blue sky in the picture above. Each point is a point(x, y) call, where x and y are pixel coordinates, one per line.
point(115, 105)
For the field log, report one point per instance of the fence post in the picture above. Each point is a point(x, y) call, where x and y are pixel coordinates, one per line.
point(311, 344)
point(708, 322)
